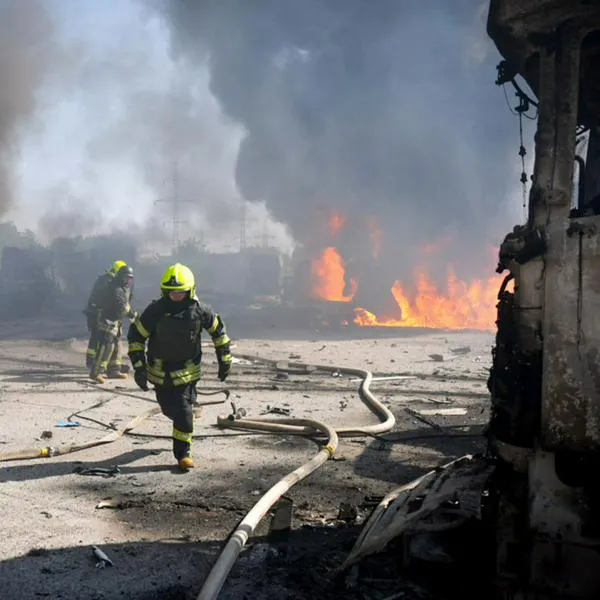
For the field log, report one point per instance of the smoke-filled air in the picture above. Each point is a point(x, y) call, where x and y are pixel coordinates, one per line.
point(26, 52)
point(366, 136)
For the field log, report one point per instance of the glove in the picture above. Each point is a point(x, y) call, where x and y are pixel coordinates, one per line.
point(141, 378)
point(224, 368)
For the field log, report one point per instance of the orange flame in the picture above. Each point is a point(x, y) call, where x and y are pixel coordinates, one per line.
point(463, 306)
point(329, 272)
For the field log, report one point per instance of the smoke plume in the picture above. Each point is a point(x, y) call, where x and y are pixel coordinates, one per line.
point(381, 111)
point(26, 47)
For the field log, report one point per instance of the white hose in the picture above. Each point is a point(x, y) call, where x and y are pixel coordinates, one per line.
point(222, 567)
point(387, 419)
point(216, 578)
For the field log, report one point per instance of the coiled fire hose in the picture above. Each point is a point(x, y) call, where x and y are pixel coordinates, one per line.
point(226, 559)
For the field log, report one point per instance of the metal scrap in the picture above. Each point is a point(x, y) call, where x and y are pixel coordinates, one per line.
point(103, 560)
point(416, 415)
point(441, 499)
point(99, 471)
point(275, 410)
point(449, 412)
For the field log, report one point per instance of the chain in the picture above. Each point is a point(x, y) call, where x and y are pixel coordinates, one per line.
point(522, 153)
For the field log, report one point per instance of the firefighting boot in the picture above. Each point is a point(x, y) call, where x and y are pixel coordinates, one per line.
point(186, 463)
point(98, 378)
point(117, 375)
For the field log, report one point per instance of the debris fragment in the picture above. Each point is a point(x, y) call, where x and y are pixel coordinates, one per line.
point(421, 418)
point(436, 357)
point(240, 361)
point(275, 410)
point(118, 503)
point(461, 350)
point(46, 435)
point(347, 512)
point(100, 471)
point(281, 523)
point(456, 411)
point(103, 560)
point(68, 424)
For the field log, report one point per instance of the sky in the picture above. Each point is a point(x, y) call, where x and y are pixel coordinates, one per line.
point(85, 164)
point(292, 109)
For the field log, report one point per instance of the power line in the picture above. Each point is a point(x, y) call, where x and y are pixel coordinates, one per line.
point(175, 201)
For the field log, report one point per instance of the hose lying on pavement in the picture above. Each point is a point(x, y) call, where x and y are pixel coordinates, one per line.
point(387, 419)
point(216, 578)
point(49, 451)
point(113, 436)
point(224, 563)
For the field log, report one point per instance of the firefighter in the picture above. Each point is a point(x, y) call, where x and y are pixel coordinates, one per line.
point(165, 350)
point(92, 310)
point(113, 306)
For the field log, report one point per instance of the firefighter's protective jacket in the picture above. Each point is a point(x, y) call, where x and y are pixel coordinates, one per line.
point(114, 303)
point(98, 291)
point(166, 340)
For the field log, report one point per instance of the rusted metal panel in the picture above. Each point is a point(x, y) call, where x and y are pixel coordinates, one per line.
point(571, 396)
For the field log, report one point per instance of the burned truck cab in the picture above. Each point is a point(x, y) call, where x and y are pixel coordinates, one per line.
point(544, 431)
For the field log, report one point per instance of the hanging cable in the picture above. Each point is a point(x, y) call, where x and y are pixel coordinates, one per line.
point(507, 74)
point(522, 153)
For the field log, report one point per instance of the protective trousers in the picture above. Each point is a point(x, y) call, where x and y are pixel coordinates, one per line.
point(92, 326)
point(107, 358)
point(92, 347)
point(176, 404)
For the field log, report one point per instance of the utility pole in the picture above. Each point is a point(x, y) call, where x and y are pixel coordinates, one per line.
point(175, 201)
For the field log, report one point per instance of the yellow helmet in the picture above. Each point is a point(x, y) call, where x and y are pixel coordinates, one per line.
point(117, 266)
point(178, 278)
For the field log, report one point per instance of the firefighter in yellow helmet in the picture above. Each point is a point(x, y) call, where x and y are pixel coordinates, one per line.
point(114, 306)
point(92, 310)
point(165, 350)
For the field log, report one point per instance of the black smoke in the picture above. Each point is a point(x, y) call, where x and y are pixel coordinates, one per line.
point(383, 108)
point(26, 51)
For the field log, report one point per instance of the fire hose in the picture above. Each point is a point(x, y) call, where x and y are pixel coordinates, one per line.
point(305, 427)
point(113, 436)
point(226, 559)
